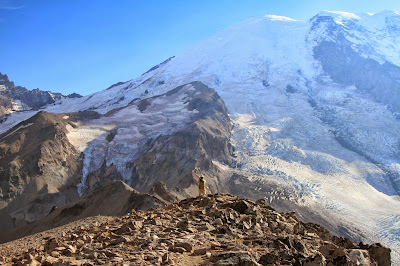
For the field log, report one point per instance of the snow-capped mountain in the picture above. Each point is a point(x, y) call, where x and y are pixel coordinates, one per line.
point(16, 98)
point(315, 113)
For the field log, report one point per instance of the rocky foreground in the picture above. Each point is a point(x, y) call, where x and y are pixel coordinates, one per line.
point(213, 230)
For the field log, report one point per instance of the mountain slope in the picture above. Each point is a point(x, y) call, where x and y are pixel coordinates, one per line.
point(52, 158)
point(309, 120)
point(214, 230)
point(112, 199)
point(315, 115)
point(39, 168)
point(324, 140)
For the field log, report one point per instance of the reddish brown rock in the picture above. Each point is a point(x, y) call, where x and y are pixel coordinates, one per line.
point(253, 234)
point(380, 254)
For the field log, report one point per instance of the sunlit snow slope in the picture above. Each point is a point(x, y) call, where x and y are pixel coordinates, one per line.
point(315, 106)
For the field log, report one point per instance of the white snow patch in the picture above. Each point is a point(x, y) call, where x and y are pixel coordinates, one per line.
point(18, 128)
point(279, 18)
point(81, 136)
point(340, 15)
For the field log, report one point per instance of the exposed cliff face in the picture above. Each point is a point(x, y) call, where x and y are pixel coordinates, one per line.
point(174, 158)
point(344, 60)
point(39, 168)
point(162, 138)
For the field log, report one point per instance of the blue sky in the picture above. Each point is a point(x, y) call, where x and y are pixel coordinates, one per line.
point(85, 46)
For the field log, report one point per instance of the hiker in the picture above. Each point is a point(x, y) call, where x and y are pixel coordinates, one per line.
point(202, 186)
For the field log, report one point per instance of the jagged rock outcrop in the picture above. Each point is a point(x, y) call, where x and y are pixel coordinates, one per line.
point(160, 191)
point(39, 168)
point(34, 99)
point(214, 230)
point(102, 176)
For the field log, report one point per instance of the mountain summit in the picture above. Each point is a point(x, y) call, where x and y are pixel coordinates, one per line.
point(304, 114)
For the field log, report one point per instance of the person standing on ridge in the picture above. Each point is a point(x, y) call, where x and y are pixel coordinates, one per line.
point(202, 186)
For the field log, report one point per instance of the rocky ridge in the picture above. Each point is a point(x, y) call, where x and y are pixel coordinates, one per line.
point(39, 168)
point(42, 162)
point(214, 230)
point(115, 198)
point(27, 99)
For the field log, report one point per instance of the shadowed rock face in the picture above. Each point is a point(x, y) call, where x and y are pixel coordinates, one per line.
point(169, 152)
point(39, 168)
point(102, 176)
point(173, 158)
point(346, 66)
point(160, 191)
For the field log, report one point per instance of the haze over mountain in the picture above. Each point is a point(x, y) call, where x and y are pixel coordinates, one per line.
point(303, 113)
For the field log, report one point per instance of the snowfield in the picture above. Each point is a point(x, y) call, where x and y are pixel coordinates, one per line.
point(336, 146)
